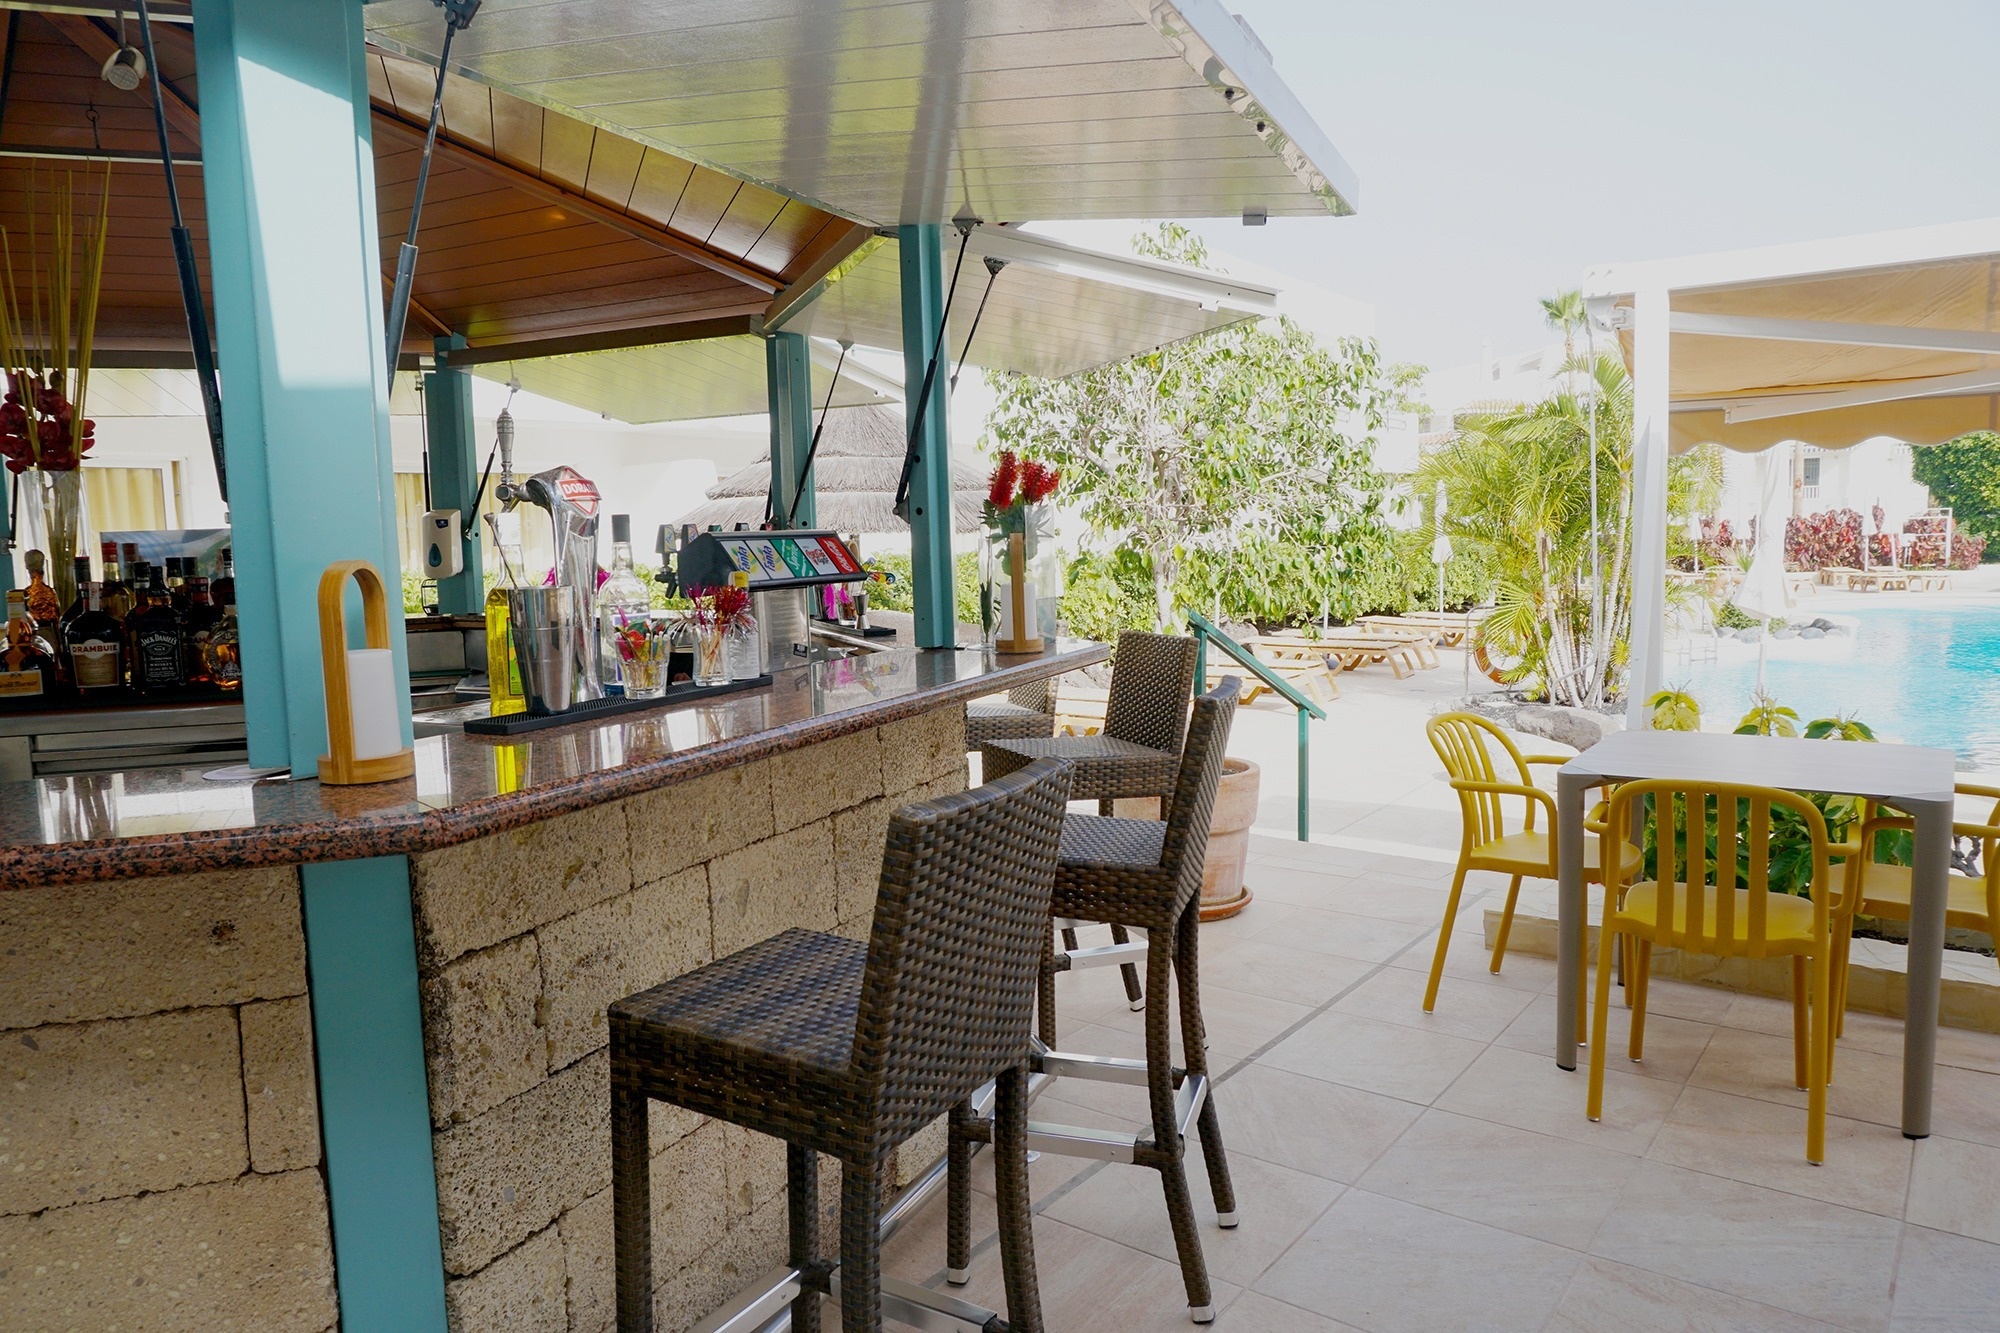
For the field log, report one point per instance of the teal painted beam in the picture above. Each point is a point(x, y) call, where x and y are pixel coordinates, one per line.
point(923, 278)
point(788, 376)
point(7, 584)
point(289, 179)
point(454, 465)
point(374, 1104)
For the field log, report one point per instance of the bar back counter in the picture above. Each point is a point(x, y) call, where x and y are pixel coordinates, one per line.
point(188, 1022)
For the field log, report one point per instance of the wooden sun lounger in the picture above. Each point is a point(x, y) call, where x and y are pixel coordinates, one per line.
point(1405, 654)
point(1837, 576)
point(1879, 580)
point(1803, 582)
point(1449, 629)
point(1291, 661)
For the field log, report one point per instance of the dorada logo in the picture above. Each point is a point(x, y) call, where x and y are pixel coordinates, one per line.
point(578, 490)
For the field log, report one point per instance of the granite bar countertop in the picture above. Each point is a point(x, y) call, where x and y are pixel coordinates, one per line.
point(174, 821)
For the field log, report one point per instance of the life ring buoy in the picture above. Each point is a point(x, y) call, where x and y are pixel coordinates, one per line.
point(1500, 673)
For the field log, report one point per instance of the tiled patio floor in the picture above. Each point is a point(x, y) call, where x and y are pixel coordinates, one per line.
point(1398, 1171)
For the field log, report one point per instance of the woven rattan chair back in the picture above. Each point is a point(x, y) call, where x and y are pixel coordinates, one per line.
point(1151, 678)
point(961, 920)
point(1039, 695)
point(1193, 803)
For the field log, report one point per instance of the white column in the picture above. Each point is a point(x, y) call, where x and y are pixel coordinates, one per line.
point(1649, 500)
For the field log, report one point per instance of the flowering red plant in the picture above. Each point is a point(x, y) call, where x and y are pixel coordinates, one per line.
point(1017, 483)
point(718, 608)
point(1038, 482)
point(1000, 488)
point(38, 427)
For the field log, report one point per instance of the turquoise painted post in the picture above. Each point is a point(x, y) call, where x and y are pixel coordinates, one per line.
point(788, 370)
point(923, 276)
point(289, 179)
point(1305, 778)
point(454, 464)
point(6, 533)
point(374, 1105)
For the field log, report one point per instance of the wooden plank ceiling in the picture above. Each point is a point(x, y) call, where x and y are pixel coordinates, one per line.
point(540, 233)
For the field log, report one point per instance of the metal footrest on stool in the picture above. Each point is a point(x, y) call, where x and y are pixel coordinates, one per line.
point(1127, 954)
point(765, 1307)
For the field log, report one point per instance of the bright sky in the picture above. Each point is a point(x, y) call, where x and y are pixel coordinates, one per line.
point(1502, 148)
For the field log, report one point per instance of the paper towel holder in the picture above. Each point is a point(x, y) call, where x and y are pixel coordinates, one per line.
point(338, 765)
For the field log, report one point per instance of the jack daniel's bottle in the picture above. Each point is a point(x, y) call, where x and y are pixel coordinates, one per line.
point(155, 635)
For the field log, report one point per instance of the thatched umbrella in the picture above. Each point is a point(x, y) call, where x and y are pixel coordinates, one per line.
point(860, 460)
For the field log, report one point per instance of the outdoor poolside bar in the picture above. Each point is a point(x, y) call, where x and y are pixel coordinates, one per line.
point(307, 955)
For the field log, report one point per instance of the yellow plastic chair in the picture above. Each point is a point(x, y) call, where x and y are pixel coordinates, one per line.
point(1467, 742)
point(1738, 916)
point(1883, 891)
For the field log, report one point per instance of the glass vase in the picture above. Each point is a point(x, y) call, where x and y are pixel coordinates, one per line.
point(52, 507)
point(992, 570)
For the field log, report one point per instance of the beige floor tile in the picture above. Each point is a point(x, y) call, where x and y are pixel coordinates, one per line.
point(1965, 1104)
point(1379, 1057)
point(1469, 959)
point(1946, 1282)
point(1527, 1183)
point(1252, 1313)
point(1684, 999)
point(1088, 1282)
point(1297, 976)
point(1291, 883)
point(1799, 1254)
point(1606, 1295)
point(1341, 933)
point(1528, 1091)
point(1866, 1085)
point(1470, 1009)
point(1762, 1143)
point(1964, 1049)
point(1389, 897)
point(1387, 1266)
point(1956, 1187)
point(1306, 1123)
point(1673, 1045)
point(1274, 1204)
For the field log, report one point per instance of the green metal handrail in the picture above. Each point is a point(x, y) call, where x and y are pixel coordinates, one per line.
point(1205, 631)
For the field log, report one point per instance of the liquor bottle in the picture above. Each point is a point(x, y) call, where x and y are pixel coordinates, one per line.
point(222, 588)
point(115, 597)
point(153, 634)
point(95, 646)
point(42, 602)
point(58, 634)
point(27, 663)
point(199, 622)
point(222, 653)
point(81, 572)
point(503, 669)
point(621, 600)
point(177, 572)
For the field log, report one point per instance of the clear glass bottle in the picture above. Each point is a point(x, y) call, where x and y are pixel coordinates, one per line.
point(222, 653)
point(622, 600)
point(115, 597)
point(503, 669)
point(27, 663)
point(746, 646)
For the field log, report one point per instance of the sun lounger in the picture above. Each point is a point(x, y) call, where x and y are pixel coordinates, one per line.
point(1879, 580)
point(1837, 576)
point(1291, 660)
point(1803, 582)
point(1405, 654)
point(1448, 629)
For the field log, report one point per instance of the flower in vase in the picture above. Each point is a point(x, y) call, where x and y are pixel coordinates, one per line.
point(1016, 484)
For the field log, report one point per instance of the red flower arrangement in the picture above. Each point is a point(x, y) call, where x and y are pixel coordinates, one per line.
point(1017, 483)
point(39, 428)
point(719, 607)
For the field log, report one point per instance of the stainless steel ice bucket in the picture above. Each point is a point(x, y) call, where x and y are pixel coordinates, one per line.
point(543, 622)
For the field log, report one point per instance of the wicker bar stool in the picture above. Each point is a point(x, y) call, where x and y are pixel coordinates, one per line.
point(849, 1050)
point(1138, 753)
point(1028, 713)
point(1142, 873)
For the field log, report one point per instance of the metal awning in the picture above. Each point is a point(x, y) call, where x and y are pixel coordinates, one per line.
point(922, 110)
point(1054, 309)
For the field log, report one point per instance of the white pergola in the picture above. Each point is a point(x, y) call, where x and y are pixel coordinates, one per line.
point(1827, 342)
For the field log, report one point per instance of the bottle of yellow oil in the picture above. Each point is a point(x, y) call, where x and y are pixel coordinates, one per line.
point(503, 669)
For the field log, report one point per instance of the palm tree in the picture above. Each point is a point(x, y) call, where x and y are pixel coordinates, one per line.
point(1566, 314)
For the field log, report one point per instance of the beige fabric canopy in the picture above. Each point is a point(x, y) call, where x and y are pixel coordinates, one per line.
point(1831, 343)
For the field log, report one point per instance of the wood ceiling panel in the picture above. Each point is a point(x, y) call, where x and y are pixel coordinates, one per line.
point(748, 215)
point(468, 112)
point(614, 168)
point(560, 271)
point(703, 203)
point(411, 87)
point(517, 132)
point(596, 315)
point(566, 151)
point(662, 180)
point(795, 227)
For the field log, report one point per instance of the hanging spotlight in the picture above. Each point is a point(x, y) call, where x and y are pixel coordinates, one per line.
point(125, 68)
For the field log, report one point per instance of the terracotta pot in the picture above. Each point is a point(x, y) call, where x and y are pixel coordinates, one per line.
point(1222, 891)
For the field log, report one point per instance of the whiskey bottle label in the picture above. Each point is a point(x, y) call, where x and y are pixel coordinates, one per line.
point(20, 684)
point(157, 657)
point(95, 662)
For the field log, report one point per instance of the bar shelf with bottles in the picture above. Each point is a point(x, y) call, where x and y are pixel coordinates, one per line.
point(143, 664)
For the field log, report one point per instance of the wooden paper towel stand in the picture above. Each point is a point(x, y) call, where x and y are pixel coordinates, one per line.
point(1027, 635)
point(339, 766)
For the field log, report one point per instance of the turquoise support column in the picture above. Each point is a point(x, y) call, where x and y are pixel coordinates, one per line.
point(922, 250)
point(374, 1106)
point(454, 464)
point(788, 372)
point(289, 180)
point(6, 533)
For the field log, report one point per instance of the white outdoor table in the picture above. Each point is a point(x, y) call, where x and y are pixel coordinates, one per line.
point(1914, 779)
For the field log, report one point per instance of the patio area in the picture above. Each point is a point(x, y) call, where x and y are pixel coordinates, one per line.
point(1410, 1171)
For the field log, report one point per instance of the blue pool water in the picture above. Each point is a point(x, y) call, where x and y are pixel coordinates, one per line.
point(1921, 675)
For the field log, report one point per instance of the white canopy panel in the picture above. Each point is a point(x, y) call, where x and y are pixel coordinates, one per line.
point(921, 110)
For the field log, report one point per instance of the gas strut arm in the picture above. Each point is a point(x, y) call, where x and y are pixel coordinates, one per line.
point(458, 14)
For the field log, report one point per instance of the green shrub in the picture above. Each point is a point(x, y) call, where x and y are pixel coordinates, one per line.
point(1105, 594)
point(896, 593)
point(1731, 616)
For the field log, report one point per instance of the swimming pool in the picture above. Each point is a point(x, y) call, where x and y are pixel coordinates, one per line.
point(1926, 675)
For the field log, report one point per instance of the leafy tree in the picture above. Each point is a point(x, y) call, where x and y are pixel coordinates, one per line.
point(1965, 474)
point(1236, 464)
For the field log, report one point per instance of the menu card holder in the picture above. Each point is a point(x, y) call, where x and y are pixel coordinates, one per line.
point(340, 765)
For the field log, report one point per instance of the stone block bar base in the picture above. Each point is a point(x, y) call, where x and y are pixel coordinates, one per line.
point(161, 1157)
